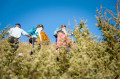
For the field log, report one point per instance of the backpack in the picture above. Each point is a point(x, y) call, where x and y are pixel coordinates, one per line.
point(32, 31)
point(44, 36)
point(55, 32)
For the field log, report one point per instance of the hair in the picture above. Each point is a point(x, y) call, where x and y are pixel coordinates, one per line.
point(62, 26)
point(18, 25)
point(40, 26)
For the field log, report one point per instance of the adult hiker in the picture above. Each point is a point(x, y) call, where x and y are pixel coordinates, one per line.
point(34, 41)
point(34, 32)
point(14, 36)
point(38, 37)
point(63, 39)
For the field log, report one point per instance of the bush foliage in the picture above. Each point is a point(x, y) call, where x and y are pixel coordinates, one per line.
point(90, 59)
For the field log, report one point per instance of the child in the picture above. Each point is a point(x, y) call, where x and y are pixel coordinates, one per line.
point(42, 36)
point(14, 36)
point(62, 38)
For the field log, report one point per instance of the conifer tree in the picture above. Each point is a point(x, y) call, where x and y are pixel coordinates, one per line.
point(110, 28)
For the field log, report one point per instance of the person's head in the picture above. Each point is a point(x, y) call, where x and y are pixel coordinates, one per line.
point(40, 26)
point(63, 26)
point(18, 25)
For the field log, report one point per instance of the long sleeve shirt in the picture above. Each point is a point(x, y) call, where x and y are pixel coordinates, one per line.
point(17, 32)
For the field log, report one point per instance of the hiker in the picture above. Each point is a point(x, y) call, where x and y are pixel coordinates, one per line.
point(34, 32)
point(14, 36)
point(38, 37)
point(55, 33)
point(63, 39)
point(42, 36)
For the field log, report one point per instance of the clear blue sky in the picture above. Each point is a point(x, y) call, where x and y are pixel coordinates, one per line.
point(51, 13)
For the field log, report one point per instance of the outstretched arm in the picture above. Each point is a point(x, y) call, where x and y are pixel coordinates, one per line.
point(25, 33)
point(67, 33)
point(29, 36)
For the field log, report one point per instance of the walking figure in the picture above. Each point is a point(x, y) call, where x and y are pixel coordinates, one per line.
point(14, 36)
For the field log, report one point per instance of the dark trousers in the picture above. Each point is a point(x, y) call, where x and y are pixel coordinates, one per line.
point(36, 45)
point(32, 41)
point(14, 43)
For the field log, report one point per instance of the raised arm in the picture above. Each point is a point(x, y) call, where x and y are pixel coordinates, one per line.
point(29, 36)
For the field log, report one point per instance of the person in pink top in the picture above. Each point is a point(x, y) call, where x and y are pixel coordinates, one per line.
point(62, 38)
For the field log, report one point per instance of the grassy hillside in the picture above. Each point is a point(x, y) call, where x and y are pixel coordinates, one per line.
point(89, 60)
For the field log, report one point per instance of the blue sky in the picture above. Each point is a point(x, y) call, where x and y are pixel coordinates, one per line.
point(51, 13)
